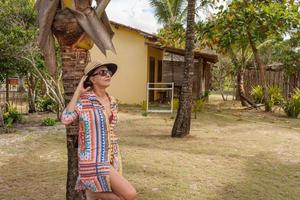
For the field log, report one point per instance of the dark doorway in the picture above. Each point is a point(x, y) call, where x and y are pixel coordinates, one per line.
point(159, 71)
point(151, 77)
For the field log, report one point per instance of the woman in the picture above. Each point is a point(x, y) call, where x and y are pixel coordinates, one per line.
point(99, 161)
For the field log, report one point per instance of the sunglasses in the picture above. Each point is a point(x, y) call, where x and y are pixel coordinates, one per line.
point(103, 72)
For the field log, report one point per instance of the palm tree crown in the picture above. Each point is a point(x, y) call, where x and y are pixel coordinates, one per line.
point(169, 12)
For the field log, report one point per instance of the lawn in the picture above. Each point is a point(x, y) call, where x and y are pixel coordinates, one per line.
point(231, 153)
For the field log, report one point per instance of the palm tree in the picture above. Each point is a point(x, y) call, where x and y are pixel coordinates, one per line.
point(182, 122)
point(169, 12)
point(76, 26)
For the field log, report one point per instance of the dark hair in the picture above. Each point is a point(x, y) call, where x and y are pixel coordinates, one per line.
point(88, 82)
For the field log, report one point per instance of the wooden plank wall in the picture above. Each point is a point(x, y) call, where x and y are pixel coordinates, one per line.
point(273, 77)
point(17, 100)
point(172, 71)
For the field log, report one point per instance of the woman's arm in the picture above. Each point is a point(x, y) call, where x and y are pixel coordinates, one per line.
point(73, 109)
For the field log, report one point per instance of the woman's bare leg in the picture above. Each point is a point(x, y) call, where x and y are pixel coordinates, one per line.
point(101, 195)
point(121, 187)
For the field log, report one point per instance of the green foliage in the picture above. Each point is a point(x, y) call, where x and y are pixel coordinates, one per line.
point(235, 25)
point(175, 103)
point(11, 115)
point(169, 12)
point(172, 35)
point(292, 107)
point(18, 28)
point(276, 96)
point(144, 108)
point(257, 94)
point(275, 93)
point(222, 78)
point(287, 52)
point(48, 121)
point(198, 106)
point(46, 104)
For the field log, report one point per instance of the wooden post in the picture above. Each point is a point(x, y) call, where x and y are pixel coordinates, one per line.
point(202, 77)
point(7, 91)
point(208, 75)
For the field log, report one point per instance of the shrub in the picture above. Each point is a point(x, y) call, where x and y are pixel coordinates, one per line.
point(292, 107)
point(175, 104)
point(11, 116)
point(48, 121)
point(275, 95)
point(257, 94)
point(198, 106)
point(144, 108)
point(46, 104)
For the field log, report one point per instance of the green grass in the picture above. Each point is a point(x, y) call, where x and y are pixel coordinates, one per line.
point(231, 154)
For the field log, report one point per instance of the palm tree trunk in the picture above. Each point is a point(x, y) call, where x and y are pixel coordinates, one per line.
point(73, 62)
point(182, 122)
point(262, 68)
point(67, 31)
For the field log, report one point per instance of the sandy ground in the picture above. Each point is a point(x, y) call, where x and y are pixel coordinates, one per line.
point(231, 153)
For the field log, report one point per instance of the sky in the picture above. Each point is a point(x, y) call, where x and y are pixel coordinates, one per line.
point(135, 13)
point(139, 14)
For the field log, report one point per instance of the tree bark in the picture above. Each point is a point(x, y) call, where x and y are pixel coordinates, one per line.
point(1, 117)
point(182, 122)
point(68, 31)
point(262, 68)
point(240, 86)
point(7, 92)
point(73, 62)
point(72, 72)
point(31, 94)
point(21, 87)
point(240, 78)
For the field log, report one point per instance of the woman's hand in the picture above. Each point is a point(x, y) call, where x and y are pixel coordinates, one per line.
point(80, 89)
point(78, 92)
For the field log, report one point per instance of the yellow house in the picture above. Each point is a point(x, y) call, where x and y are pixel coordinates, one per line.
point(133, 57)
point(138, 63)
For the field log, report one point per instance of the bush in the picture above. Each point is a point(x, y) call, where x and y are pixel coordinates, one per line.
point(144, 108)
point(48, 121)
point(175, 104)
point(11, 116)
point(257, 94)
point(45, 104)
point(198, 106)
point(292, 107)
point(275, 95)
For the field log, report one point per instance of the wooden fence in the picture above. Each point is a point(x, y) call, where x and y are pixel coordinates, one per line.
point(274, 78)
point(16, 99)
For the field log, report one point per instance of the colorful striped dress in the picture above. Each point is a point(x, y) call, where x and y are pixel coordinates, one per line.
point(97, 143)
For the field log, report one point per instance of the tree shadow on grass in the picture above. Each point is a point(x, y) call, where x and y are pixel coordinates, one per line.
point(193, 144)
point(267, 178)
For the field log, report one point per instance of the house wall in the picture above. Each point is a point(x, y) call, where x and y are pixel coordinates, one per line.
point(173, 72)
point(157, 54)
point(129, 82)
